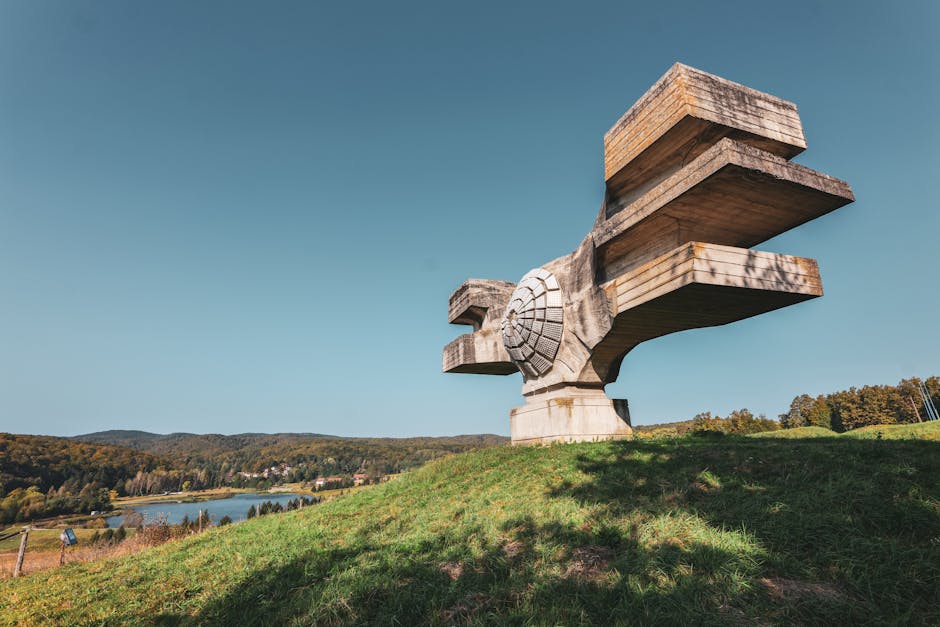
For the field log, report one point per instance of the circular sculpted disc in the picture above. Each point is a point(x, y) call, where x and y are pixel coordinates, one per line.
point(532, 323)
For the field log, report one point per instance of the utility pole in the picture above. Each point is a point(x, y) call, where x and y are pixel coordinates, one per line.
point(19, 556)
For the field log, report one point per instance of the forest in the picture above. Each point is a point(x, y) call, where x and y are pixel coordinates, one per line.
point(861, 407)
point(43, 476)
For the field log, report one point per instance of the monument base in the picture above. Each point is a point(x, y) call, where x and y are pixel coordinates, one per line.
point(569, 414)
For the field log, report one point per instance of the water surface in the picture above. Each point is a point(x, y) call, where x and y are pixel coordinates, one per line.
point(235, 507)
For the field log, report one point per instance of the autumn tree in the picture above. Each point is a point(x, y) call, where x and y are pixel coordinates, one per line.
point(806, 411)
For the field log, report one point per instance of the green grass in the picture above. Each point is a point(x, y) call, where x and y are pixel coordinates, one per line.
point(683, 531)
point(799, 432)
point(918, 431)
point(46, 539)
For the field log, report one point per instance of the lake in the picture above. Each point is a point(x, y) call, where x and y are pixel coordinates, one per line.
point(235, 507)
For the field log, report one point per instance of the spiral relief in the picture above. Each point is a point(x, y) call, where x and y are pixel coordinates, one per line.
point(533, 323)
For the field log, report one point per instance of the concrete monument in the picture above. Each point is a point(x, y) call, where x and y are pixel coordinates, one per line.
point(697, 173)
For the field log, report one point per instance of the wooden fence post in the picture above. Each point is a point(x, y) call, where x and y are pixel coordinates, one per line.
point(19, 556)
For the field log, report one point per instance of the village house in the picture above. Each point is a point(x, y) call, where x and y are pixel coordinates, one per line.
point(281, 470)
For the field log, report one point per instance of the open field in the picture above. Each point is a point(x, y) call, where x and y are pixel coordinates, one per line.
point(43, 547)
point(43, 539)
point(690, 530)
point(798, 433)
point(917, 431)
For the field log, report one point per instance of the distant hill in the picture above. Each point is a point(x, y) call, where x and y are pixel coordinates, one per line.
point(131, 439)
point(137, 439)
point(145, 439)
point(188, 442)
point(217, 459)
point(678, 531)
point(256, 451)
point(43, 476)
point(49, 462)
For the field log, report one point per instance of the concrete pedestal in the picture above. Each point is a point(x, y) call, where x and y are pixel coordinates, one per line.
point(569, 414)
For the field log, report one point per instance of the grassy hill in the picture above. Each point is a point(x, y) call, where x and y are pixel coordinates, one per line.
point(797, 433)
point(694, 530)
point(917, 431)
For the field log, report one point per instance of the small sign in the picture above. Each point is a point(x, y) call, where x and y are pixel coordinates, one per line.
point(68, 538)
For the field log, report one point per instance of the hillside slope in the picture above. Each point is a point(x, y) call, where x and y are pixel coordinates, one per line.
point(796, 433)
point(915, 431)
point(705, 531)
point(918, 431)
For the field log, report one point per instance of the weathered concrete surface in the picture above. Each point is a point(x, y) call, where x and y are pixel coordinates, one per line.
point(697, 172)
point(570, 414)
point(479, 303)
point(680, 117)
point(698, 285)
point(732, 194)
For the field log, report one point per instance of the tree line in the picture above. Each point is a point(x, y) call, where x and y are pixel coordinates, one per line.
point(838, 411)
point(740, 421)
point(274, 507)
point(860, 407)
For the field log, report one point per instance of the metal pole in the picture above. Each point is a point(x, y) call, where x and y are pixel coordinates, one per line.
point(928, 402)
point(19, 556)
point(933, 407)
point(62, 554)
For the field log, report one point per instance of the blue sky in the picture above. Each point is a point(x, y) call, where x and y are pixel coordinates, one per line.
point(232, 216)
